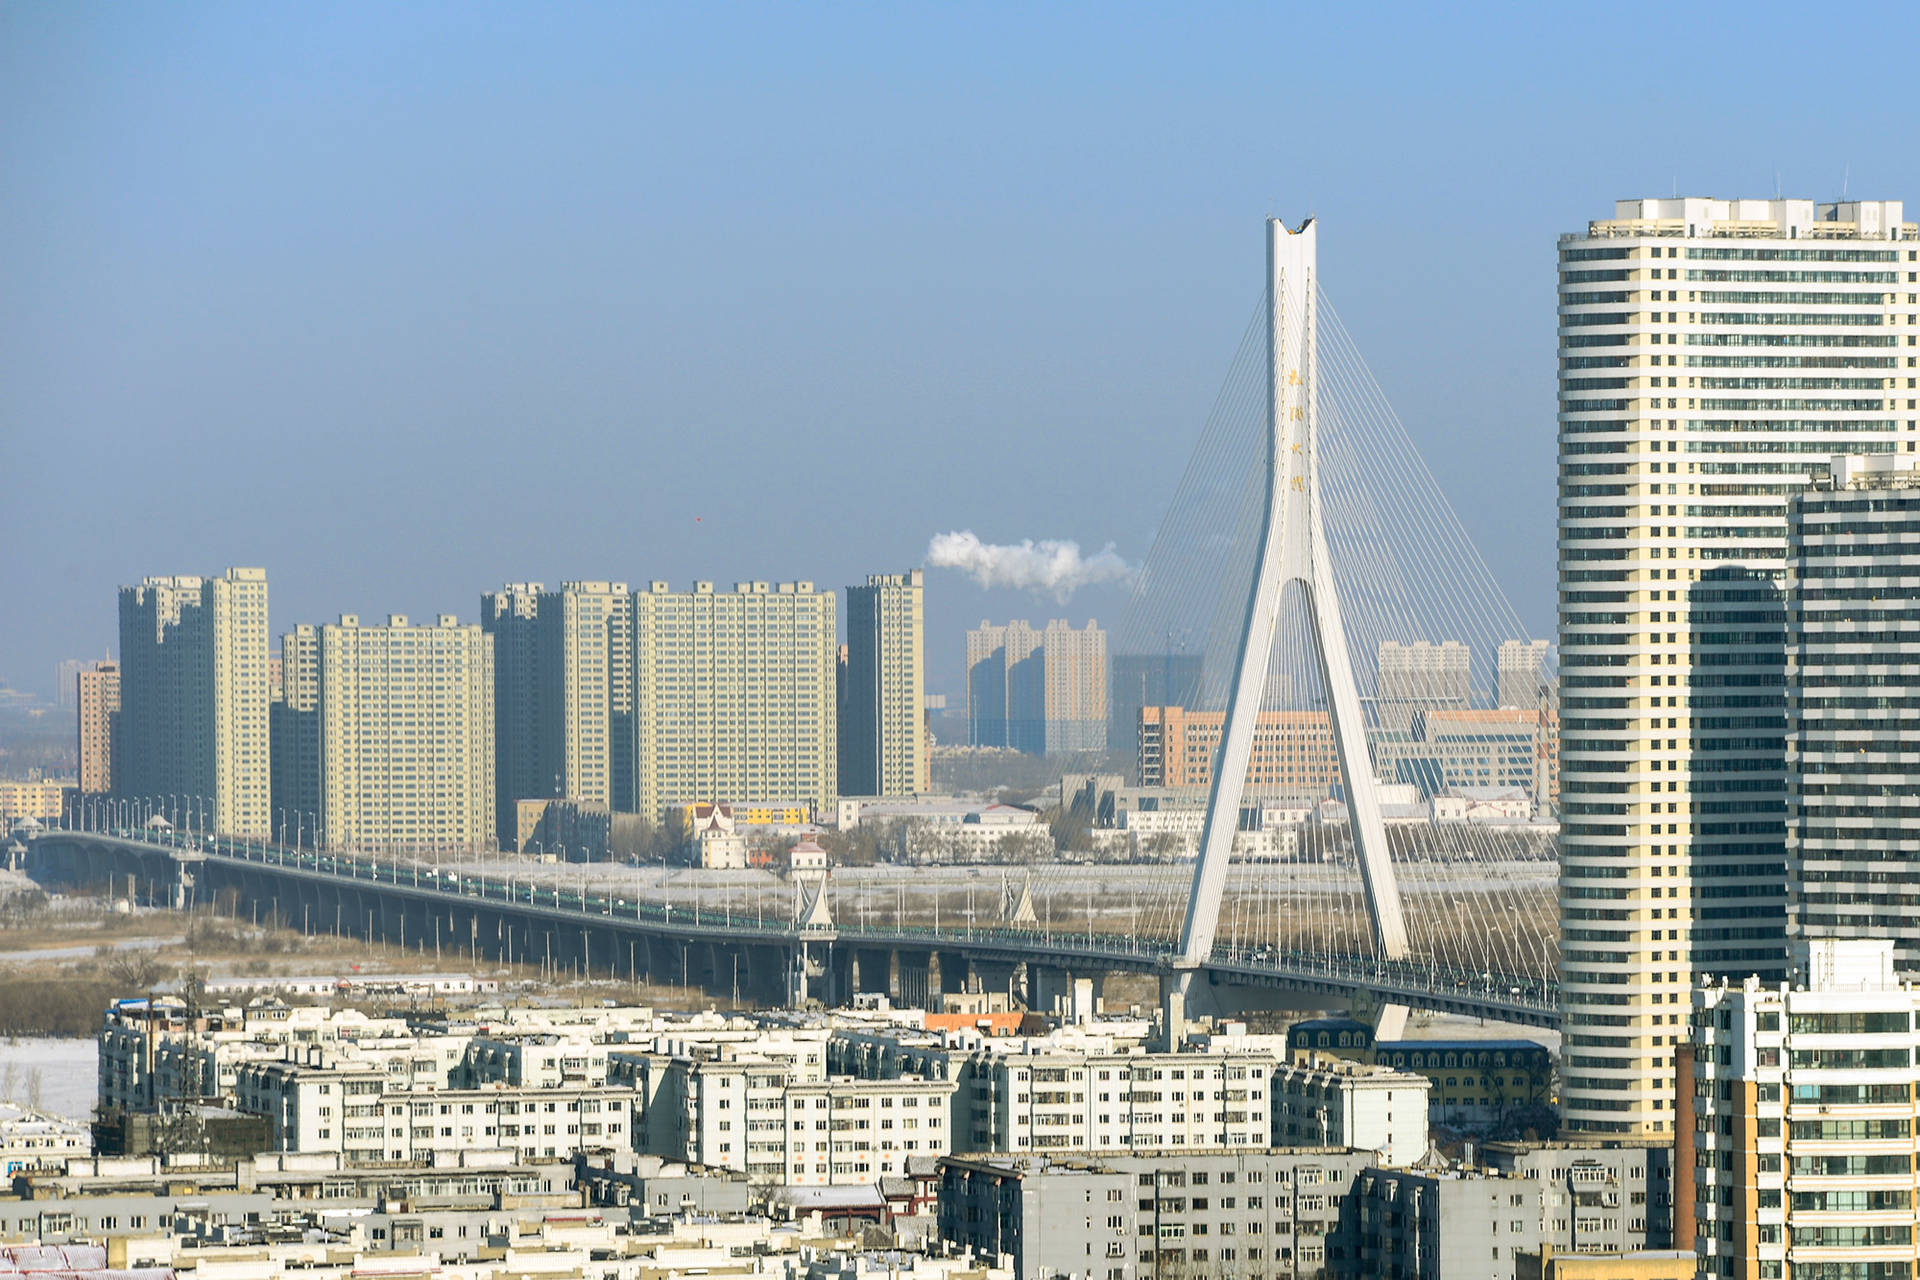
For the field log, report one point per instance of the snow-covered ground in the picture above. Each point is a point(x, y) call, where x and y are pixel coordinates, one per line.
point(63, 1073)
point(36, 956)
point(1454, 1026)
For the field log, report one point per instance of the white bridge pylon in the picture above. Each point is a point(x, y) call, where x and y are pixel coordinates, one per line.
point(1293, 551)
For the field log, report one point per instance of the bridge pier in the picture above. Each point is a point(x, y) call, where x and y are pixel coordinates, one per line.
point(950, 972)
point(872, 971)
point(913, 979)
point(1049, 987)
point(767, 973)
point(994, 975)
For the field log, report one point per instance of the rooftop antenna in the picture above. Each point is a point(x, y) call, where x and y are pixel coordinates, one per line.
point(1846, 176)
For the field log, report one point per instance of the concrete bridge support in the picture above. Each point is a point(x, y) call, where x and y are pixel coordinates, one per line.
point(913, 980)
point(873, 971)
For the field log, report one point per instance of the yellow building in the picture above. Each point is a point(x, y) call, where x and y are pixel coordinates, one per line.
point(402, 730)
point(97, 708)
point(194, 696)
point(585, 694)
point(733, 694)
point(37, 800)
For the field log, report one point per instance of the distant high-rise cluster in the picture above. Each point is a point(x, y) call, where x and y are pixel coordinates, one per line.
point(437, 736)
point(1420, 677)
point(1043, 691)
point(1431, 731)
point(1524, 682)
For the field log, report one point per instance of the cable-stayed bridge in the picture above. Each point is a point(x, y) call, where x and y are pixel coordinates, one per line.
point(1363, 766)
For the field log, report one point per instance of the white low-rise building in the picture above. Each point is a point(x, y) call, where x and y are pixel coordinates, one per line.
point(369, 1119)
point(34, 1139)
point(1329, 1101)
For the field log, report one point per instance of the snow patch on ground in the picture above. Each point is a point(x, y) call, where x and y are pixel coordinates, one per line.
point(63, 1072)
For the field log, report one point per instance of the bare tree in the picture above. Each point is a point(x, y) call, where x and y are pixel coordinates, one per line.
point(135, 970)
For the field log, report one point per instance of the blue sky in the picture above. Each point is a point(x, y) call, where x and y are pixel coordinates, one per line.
point(405, 301)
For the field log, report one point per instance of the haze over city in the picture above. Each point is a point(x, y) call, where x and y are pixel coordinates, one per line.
point(404, 304)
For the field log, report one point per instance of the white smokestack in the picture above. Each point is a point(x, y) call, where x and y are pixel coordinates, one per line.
point(1049, 567)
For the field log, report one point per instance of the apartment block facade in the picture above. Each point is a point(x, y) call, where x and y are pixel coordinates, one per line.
point(1714, 355)
point(393, 728)
point(294, 722)
point(1265, 1213)
point(1413, 678)
point(194, 695)
point(883, 729)
point(1798, 1103)
point(584, 696)
point(734, 694)
point(511, 616)
point(369, 1118)
point(1853, 745)
point(96, 701)
point(1040, 691)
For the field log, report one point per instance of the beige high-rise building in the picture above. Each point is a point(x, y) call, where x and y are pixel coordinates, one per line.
point(403, 732)
point(1039, 691)
point(1523, 673)
point(96, 700)
point(883, 727)
point(1422, 676)
point(511, 616)
point(193, 697)
point(733, 694)
point(1714, 356)
point(585, 694)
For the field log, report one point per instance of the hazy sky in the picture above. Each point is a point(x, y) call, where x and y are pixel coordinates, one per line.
point(402, 302)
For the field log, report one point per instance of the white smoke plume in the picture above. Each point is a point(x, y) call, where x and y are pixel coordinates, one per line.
point(1048, 567)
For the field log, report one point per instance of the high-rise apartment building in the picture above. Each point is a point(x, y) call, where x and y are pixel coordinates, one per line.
point(193, 696)
point(1417, 677)
point(65, 687)
point(1713, 355)
point(511, 616)
point(1147, 680)
point(1043, 692)
point(402, 720)
point(1796, 1120)
point(585, 698)
point(883, 727)
point(96, 701)
point(295, 729)
point(987, 686)
point(1523, 673)
point(1853, 743)
point(733, 694)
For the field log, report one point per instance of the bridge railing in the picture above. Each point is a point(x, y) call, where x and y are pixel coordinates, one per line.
point(1440, 983)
